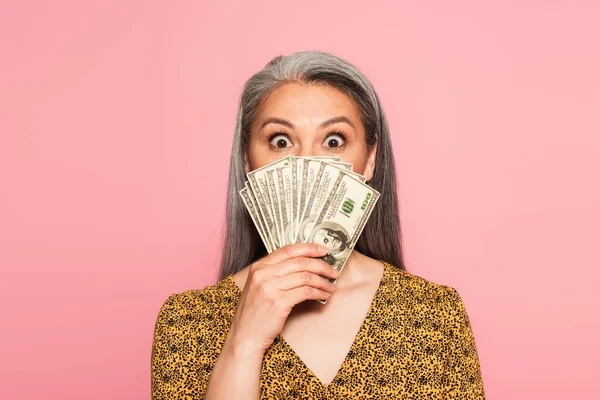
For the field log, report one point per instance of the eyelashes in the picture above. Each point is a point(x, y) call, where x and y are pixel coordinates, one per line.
point(284, 142)
point(340, 134)
point(280, 134)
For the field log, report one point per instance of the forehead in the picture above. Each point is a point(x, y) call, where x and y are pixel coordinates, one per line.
point(307, 104)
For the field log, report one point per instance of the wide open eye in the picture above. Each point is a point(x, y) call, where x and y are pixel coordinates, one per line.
point(280, 141)
point(335, 140)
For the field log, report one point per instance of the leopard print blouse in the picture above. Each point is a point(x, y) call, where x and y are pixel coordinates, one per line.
point(415, 343)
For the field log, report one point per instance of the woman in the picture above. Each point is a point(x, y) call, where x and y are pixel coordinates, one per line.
point(383, 333)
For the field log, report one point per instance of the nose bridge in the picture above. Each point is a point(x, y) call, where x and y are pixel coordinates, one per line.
point(304, 150)
point(306, 145)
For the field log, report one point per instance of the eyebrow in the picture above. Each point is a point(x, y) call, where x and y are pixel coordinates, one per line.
point(284, 122)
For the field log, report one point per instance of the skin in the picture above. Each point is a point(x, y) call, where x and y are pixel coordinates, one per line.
point(276, 287)
point(305, 108)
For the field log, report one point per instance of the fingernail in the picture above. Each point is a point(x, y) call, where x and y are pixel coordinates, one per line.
point(337, 273)
point(322, 248)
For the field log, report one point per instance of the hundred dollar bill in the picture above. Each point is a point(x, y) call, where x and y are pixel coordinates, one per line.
point(297, 184)
point(284, 193)
point(279, 183)
point(294, 197)
point(342, 219)
point(274, 202)
point(260, 217)
point(308, 169)
point(323, 158)
point(260, 186)
point(346, 165)
point(323, 184)
point(254, 214)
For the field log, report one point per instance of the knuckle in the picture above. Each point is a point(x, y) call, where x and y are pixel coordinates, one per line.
point(307, 291)
point(257, 275)
point(266, 291)
point(256, 268)
point(296, 264)
point(288, 251)
point(305, 277)
point(301, 262)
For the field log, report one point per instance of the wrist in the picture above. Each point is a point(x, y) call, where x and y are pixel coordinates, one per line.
point(241, 347)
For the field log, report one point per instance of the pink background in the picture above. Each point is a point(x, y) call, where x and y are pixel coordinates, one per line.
point(116, 121)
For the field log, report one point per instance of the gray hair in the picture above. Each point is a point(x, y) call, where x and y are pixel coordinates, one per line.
point(381, 238)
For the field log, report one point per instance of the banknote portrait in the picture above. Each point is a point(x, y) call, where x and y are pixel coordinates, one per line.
point(333, 236)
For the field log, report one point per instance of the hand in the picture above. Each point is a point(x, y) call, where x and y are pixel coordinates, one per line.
point(275, 284)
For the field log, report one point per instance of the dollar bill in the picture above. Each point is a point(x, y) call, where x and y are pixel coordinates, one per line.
point(274, 203)
point(286, 198)
point(297, 184)
point(323, 158)
point(307, 167)
point(255, 215)
point(295, 205)
point(310, 168)
point(283, 186)
point(260, 186)
point(260, 217)
point(346, 165)
point(326, 177)
point(342, 219)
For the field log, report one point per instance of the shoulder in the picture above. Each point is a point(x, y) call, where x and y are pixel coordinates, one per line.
point(422, 296)
point(199, 305)
point(436, 330)
point(189, 333)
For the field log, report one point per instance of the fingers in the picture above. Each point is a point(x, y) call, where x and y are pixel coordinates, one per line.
point(299, 264)
point(304, 278)
point(293, 274)
point(295, 250)
point(300, 294)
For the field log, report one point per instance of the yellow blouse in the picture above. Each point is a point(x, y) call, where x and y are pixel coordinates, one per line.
point(415, 343)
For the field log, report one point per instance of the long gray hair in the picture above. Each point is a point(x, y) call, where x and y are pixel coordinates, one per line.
point(381, 238)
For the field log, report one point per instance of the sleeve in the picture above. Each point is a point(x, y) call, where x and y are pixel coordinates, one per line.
point(462, 373)
point(177, 370)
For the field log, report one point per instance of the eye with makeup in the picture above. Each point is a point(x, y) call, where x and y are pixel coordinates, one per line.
point(335, 140)
point(279, 141)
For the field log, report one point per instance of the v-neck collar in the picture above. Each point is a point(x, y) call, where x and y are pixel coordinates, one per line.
point(357, 339)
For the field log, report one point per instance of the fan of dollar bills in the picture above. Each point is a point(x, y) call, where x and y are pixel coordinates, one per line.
point(310, 199)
